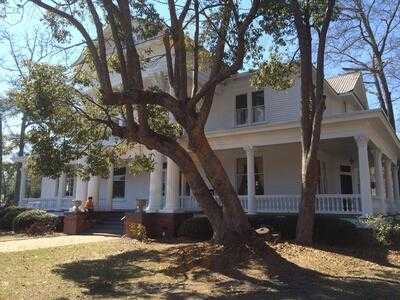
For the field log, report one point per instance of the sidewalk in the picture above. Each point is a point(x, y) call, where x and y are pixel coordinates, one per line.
point(50, 242)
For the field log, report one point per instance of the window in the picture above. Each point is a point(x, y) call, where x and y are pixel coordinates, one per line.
point(241, 109)
point(119, 183)
point(241, 176)
point(184, 188)
point(164, 179)
point(258, 108)
point(56, 183)
point(346, 179)
point(69, 186)
point(33, 185)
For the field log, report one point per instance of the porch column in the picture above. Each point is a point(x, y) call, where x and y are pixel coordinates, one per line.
point(389, 185)
point(22, 188)
point(251, 201)
point(81, 189)
point(93, 189)
point(365, 177)
point(110, 187)
point(172, 199)
point(61, 183)
point(380, 187)
point(155, 186)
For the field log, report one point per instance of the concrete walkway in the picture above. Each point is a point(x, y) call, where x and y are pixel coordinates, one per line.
point(50, 242)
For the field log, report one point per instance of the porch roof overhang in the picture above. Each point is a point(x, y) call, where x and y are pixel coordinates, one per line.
point(371, 123)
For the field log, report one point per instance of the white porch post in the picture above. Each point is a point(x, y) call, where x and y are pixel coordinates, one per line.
point(172, 199)
point(81, 189)
point(93, 189)
point(365, 177)
point(22, 188)
point(389, 183)
point(251, 201)
point(61, 182)
point(396, 183)
point(155, 184)
point(110, 187)
point(380, 187)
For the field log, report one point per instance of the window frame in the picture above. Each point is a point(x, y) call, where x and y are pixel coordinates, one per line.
point(253, 107)
point(244, 110)
point(119, 178)
point(260, 174)
point(68, 181)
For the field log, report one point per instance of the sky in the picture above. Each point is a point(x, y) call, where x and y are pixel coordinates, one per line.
point(21, 25)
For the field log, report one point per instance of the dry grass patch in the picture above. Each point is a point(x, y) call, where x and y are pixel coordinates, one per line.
point(129, 269)
point(11, 236)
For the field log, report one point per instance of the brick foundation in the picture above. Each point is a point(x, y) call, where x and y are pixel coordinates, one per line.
point(158, 225)
point(75, 223)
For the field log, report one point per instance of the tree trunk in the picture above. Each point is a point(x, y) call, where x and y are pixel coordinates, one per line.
point(21, 147)
point(385, 92)
point(234, 226)
point(305, 223)
point(1, 157)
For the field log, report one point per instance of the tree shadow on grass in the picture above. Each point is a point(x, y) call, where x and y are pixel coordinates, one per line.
point(373, 253)
point(204, 270)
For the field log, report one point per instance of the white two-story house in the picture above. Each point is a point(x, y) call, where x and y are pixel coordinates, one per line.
point(256, 135)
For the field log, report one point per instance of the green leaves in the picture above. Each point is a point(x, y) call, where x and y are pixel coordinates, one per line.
point(141, 163)
point(276, 73)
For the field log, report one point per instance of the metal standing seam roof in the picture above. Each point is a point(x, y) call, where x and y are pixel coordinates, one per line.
point(344, 83)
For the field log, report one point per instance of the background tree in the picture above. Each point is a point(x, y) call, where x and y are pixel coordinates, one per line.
point(366, 38)
point(34, 46)
point(302, 21)
point(69, 124)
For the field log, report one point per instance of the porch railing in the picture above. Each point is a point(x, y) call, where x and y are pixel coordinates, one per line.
point(188, 203)
point(378, 205)
point(39, 203)
point(325, 203)
point(278, 203)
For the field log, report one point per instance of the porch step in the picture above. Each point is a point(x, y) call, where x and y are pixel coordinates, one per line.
point(107, 224)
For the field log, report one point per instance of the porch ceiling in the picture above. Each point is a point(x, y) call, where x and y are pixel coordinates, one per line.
point(341, 146)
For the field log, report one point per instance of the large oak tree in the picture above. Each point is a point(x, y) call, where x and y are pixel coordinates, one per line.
point(306, 22)
point(69, 122)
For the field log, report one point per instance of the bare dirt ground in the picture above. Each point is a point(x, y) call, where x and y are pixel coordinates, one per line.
point(128, 269)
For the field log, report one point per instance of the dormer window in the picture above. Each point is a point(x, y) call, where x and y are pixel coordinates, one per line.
point(241, 109)
point(258, 107)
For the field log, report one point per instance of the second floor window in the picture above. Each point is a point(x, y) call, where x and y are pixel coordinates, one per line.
point(69, 186)
point(258, 107)
point(119, 177)
point(241, 109)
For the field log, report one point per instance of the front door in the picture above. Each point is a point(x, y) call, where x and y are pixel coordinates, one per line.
point(346, 184)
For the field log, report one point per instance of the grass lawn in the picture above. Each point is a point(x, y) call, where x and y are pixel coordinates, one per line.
point(129, 269)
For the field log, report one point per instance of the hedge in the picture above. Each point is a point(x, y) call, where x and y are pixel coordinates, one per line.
point(196, 228)
point(8, 215)
point(328, 230)
point(39, 218)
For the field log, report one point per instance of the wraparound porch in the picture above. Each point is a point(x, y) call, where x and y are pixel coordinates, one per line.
point(358, 172)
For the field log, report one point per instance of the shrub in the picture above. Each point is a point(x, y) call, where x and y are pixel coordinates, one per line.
point(196, 228)
point(137, 231)
point(40, 218)
point(38, 229)
point(8, 216)
point(386, 230)
point(330, 230)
